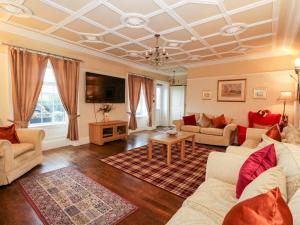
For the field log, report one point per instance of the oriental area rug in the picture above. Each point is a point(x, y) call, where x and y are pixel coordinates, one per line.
point(181, 178)
point(68, 197)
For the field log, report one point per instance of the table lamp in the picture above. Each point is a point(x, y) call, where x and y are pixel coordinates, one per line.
point(285, 96)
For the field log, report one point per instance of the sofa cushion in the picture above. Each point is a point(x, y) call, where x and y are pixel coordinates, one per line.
point(211, 131)
point(271, 178)
point(21, 148)
point(265, 209)
point(204, 120)
point(188, 216)
point(190, 128)
point(219, 121)
point(274, 133)
point(257, 163)
point(213, 198)
point(189, 120)
point(9, 133)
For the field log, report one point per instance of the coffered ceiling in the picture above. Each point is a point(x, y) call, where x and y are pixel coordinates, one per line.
point(192, 31)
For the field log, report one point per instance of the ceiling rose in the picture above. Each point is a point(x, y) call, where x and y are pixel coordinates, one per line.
point(233, 29)
point(15, 9)
point(134, 20)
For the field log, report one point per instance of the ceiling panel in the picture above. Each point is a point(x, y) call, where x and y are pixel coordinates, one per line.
point(193, 27)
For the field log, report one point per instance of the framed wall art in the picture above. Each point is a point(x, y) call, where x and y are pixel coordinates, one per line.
point(260, 93)
point(206, 95)
point(232, 90)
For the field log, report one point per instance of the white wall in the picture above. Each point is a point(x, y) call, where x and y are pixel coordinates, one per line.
point(273, 81)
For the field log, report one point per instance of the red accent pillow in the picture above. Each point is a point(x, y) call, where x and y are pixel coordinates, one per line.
point(9, 133)
point(264, 209)
point(189, 120)
point(241, 134)
point(274, 133)
point(257, 163)
point(268, 120)
point(219, 122)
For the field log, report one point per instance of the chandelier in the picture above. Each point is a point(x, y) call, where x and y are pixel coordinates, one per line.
point(157, 55)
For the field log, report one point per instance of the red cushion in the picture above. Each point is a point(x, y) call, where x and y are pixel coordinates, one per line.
point(257, 163)
point(264, 209)
point(274, 133)
point(189, 120)
point(219, 122)
point(9, 133)
point(241, 134)
point(267, 120)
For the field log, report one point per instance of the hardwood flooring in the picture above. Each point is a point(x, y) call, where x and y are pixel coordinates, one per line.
point(156, 206)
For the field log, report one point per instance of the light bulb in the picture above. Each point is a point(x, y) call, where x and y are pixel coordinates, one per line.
point(297, 63)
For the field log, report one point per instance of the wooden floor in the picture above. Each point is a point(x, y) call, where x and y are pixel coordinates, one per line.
point(156, 206)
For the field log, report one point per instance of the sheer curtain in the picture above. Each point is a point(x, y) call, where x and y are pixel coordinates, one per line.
point(27, 75)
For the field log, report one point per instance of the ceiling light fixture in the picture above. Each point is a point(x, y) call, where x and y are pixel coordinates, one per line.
point(233, 29)
point(156, 56)
point(134, 20)
point(15, 9)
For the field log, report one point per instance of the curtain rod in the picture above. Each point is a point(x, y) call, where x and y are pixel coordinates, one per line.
point(140, 75)
point(41, 52)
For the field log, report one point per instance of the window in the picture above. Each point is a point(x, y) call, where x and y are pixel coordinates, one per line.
point(49, 108)
point(142, 108)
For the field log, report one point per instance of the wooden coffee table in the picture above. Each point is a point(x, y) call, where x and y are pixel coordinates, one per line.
point(168, 141)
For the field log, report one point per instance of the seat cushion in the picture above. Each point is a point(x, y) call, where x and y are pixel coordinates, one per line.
point(22, 148)
point(213, 198)
point(190, 128)
point(211, 131)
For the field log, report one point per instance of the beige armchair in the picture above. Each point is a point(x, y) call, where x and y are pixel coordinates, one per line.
point(17, 159)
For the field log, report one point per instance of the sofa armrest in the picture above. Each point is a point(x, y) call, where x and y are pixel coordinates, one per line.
point(224, 166)
point(6, 155)
point(229, 129)
point(253, 137)
point(178, 124)
point(33, 136)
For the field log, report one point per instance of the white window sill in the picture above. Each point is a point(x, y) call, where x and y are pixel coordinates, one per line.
point(48, 125)
point(140, 116)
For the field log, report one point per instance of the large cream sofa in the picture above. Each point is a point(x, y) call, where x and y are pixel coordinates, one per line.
point(209, 135)
point(213, 199)
point(17, 159)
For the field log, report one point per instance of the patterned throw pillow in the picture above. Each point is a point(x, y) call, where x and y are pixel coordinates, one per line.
point(9, 133)
point(204, 121)
point(265, 209)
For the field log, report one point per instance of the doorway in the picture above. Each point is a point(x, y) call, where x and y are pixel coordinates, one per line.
point(162, 104)
point(177, 102)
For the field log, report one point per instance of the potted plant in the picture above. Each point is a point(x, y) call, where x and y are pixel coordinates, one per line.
point(105, 109)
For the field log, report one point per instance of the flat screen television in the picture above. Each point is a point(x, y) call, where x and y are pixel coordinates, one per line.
point(104, 89)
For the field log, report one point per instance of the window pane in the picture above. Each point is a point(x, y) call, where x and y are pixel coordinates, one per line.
point(49, 108)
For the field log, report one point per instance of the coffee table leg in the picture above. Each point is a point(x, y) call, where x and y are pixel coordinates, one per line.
point(182, 150)
point(193, 144)
point(168, 154)
point(163, 150)
point(150, 149)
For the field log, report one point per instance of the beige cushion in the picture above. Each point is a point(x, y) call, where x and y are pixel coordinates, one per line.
point(190, 128)
point(213, 198)
point(211, 131)
point(271, 178)
point(294, 206)
point(21, 148)
point(204, 120)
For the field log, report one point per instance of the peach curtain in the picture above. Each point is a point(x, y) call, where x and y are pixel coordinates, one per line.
point(134, 86)
point(27, 75)
point(67, 78)
point(148, 84)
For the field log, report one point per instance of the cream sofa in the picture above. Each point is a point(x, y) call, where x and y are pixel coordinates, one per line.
point(17, 159)
point(209, 135)
point(209, 204)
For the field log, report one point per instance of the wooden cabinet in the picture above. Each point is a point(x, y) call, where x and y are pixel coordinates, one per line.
point(102, 132)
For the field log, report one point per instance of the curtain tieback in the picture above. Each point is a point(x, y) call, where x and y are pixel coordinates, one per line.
point(131, 113)
point(73, 116)
point(21, 123)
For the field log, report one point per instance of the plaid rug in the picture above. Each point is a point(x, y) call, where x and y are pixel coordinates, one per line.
point(67, 197)
point(181, 178)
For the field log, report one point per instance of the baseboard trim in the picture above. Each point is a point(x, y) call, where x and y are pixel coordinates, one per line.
point(61, 142)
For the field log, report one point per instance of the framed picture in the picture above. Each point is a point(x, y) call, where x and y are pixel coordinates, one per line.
point(206, 95)
point(232, 90)
point(260, 93)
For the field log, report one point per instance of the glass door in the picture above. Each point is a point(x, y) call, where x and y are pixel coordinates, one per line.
point(177, 102)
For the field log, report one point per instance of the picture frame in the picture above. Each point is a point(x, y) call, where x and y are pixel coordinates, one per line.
point(206, 95)
point(260, 93)
point(232, 90)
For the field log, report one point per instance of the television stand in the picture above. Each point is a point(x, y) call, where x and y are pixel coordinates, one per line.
point(102, 132)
